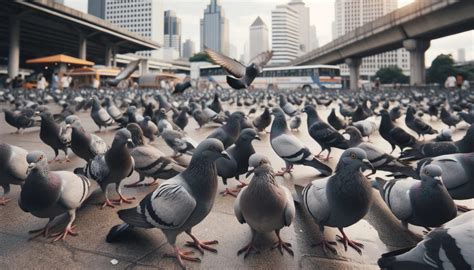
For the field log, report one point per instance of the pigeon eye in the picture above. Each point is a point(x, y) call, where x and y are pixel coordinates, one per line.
point(353, 156)
point(427, 173)
point(40, 158)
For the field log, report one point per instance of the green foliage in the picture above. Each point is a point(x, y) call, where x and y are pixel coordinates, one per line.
point(200, 57)
point(441, 67)
point(391, 74)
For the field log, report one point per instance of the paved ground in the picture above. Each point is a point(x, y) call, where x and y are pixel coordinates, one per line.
point(143, 249)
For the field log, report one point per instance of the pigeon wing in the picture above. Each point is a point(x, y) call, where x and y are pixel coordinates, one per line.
point(262, 58)
point(230, 65)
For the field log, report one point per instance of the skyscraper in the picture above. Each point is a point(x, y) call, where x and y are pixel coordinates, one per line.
point(188, 48)
point(303, 28)
point(313, 38)
point(172, 31)
point(258, 37)
point(350, 14)
point(461, 55)
point(215, 28)
point(285, 34)
point(96, 8)
point(143, 17)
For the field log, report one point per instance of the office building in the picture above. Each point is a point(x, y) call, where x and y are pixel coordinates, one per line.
point(215, 28)
point(96, 8)
point(172, 31)
point(189, 48)
point(285, 34)
point(258, 37)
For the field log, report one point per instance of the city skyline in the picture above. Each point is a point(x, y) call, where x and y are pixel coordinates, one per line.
point(321, 15)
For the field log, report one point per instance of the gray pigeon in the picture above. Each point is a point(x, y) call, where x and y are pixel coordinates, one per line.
point(149, 161)
point(423, 203)
point(287, 107)
point(48, 194)
point(449, 247)
point(458, 174)
point(180, 143)
point(230, 131)
point(295, 122)
point(264, 205)
point(100, 115)
point(112, 110)
point(242, 76)
point(13, 169)
point(262, 121)
point(180, 203)
point(341, 199)
point(50, 134)
point(239, 154)
point(83, 144)
point(379, 159)
point(112, 167)
point(290, 148)
point(366, 127)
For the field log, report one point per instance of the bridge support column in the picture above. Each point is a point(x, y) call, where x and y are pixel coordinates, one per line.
point(108, 55)
point(354, 72)
point(82, 47)
point(144, 67)
point(417, 50)
point(14, 47)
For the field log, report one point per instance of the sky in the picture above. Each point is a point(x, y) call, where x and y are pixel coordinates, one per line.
point(241, 14)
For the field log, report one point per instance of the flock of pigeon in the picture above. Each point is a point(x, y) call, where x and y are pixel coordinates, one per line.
point(424, 178)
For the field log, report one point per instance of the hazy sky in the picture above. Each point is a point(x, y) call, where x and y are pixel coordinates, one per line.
point(241, 13)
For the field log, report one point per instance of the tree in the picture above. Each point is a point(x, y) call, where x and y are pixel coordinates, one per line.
point(441, 67)
point(391, 74)
point(200, 57)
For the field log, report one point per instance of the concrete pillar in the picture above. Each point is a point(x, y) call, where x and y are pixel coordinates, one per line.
point(114, 56)
point(14, 47)
point(108, 55)
point(354, 72)
point(144, 67)
point(417, 50)
point(82, 47)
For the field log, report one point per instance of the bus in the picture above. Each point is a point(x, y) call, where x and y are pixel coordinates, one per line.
point(305, 77)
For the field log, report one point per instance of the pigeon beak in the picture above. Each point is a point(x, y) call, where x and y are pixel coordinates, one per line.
point(130, 142)
point(249, 172)
point(30, 167)
point(225, 155)
point(438, 180)
point(257, 138)
point(369, 165)
point(37, 113)
point(68, 125)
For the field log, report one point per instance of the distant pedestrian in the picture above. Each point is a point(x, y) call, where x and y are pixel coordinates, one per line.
point(450, 82)
point(41, 83)
point(459, 80)
point(65, 82)
point(55, 81)
point(465, 85)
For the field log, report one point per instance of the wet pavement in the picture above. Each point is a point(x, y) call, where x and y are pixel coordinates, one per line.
point(379, 231)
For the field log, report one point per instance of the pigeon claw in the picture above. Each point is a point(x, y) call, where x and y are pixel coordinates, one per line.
point(180, 255)
point(123, 199)
point(283, 245)
point(107, 203)
point(353, 244)
point(69, 230)
point(247, 249)
point(228, 192)
point(327, 245)
point(201, 246)
point(4, 201)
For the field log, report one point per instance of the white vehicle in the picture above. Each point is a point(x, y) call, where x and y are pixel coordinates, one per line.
point(306, 77)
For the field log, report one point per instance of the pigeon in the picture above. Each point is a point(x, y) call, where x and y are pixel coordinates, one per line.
point(451, 120)
point(83, 144)
point(423, 203)
point(379, 159)
point(163, 104)
point(458, 174)
point(239, 154)
point(100, 115)
point(216, 105)
point(336, 122)
point(179, 143)
point(359, 114)
point(150, 130)
point(468, 117)
point(179, 88)
point(230, 131)
point(395, 113)
point(180, 203)
point(264, 205)
point(290, 148)
point(112, 167)
point(395, 136)
point(341, 199)
point(344, 111)
point(366, 127)
point(149, 161)
point(181, 120)
point(50, 134)
point(20, 120)
point(433, 149)
point(112, 110)
point(448, 247)
point(445, 135)
point(325, 135)
point(200, 117)
point(48, 194)
point(262, 121)
point(242, 76)
point(164, 123)
point(287, 107)
point(417, 124)
point(13, 169)
point(295, 122)
point(251, 111)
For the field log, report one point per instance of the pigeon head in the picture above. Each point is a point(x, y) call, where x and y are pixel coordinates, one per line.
point(354, 158)
point(122, 137)
point(137, 134)
point(309, 109)
point(46, 115)
point(147, 118)
point(277, 112)
point(36, 160)
point(238, 114)
point(71, 120)
point(248, 135)
point(432, 174)
point(255, 161)
point(132, 109)
point(210, 149)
